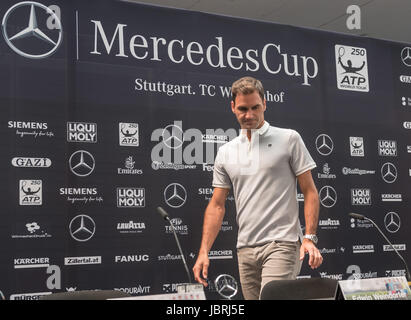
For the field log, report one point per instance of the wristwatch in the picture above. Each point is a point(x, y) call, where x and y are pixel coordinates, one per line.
point(311, 237)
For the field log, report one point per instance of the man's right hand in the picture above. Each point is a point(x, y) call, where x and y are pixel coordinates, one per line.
point(200, 269)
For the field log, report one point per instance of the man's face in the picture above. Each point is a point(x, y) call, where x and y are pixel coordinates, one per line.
point(249, 110)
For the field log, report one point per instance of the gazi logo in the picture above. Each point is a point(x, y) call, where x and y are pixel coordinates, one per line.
point(30, 192)
point(351, 68)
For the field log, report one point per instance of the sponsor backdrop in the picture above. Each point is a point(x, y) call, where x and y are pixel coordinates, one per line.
point(110, 109)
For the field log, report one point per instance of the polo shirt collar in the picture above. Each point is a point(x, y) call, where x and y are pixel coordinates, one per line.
point(261, 131)
point(264, 128)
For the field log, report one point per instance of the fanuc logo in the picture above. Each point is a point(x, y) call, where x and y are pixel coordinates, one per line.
point(352, 70)
point(32, 30)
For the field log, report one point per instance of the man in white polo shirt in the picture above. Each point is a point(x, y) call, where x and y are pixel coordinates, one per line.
point(262, 166)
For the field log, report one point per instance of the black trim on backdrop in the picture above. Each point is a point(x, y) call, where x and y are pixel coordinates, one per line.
point(124, 76)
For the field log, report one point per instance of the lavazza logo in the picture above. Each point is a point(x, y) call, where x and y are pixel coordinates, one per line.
point(351, 68)
point(131, 227)
point(81, 132)
point(329, 224)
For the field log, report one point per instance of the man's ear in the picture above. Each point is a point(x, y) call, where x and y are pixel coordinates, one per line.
point(232, 106)
point(264, 105)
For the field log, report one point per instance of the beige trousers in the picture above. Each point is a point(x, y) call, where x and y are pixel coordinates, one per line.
point(277, 260)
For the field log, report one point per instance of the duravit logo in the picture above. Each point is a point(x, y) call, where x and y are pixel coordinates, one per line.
point(32, 30)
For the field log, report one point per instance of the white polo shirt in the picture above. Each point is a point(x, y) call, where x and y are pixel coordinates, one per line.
point(262, 173)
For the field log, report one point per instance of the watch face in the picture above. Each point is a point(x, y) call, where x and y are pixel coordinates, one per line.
point(312, 237)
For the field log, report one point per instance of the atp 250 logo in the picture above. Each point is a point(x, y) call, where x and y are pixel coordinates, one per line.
point(351, 68)
point(32, 30)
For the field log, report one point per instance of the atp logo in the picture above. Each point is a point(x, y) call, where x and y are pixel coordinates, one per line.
point(32, 30)
point(31, 192)
point(351, 68)
point(128, 134)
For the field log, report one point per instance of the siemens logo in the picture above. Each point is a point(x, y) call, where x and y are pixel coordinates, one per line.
point(78, 191)
point(27, 125)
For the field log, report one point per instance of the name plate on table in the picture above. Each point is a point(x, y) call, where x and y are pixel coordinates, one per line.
point(390, 288)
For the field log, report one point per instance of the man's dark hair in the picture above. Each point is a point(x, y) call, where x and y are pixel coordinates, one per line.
point(247, 85)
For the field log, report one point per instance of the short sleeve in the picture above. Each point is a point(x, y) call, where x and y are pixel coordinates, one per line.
point(300, 159)
point(220, 176)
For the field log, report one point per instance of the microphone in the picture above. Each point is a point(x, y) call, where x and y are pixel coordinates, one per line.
point(362, 217)
point(165, 216)
point(356, 216)
point(163, 213)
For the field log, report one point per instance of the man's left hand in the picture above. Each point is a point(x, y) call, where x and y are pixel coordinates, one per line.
point(315, 258)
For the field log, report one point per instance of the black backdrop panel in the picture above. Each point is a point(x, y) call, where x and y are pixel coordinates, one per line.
point(116, 80)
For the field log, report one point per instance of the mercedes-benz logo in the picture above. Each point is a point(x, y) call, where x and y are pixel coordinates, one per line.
point(392, 222)
point(82, 228)
point(328, 196)
point(33, 30)
point(173, 136)
point(324, 144)
point(389, 172)
point(406, 56)
point(175, 195)
point(81, 163)
point(226, 286)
